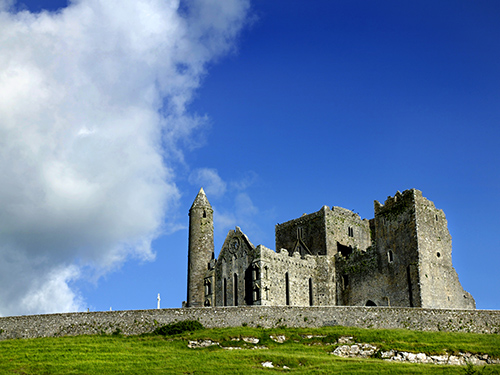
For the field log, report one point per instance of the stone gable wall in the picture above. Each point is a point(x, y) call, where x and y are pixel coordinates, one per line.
point(310, 229)
point(134, 322)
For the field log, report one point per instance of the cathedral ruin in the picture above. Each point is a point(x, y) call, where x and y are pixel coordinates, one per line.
point(332, 257)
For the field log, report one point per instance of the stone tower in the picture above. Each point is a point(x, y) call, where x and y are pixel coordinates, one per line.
point(414, 243)
point(201, 247)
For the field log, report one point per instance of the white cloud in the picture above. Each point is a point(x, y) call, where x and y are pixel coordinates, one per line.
point(244, 205)
point(245, 181)
point(53, 292)
point(237, 208)
point(210, 180)
point(6, 4)
point(92, 110)
point(242, 213)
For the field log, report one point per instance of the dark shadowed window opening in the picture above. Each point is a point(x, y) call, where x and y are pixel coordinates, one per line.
point(345, 281)
point(390, 256)
point(310, 292)
point(255, 273)
point(370, 303)
point(344, 250)
point(350, 232)
point(410, 291)
point(438, 254)
point(287, 289)
point(224, 292)
point(204, 213)
point(208, 287)
point(249, 298)
point(235, 287)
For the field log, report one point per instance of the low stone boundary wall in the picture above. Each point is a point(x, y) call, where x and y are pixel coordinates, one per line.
point(133, 322)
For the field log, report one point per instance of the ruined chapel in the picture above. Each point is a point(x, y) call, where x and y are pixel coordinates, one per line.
point(332, 257)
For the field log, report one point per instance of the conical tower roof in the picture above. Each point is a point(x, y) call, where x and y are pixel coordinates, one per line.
point(201, 200)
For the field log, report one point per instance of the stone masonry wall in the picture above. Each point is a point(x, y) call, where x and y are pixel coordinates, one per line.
point(397, 244)
point(347, 228)
point(305, 234)
point(298, 271)
point(439, 284)
point(133, 322)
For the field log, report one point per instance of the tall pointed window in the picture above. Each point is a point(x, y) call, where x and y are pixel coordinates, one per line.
point(287, 289)
point(224, 292)
point(235, 287)
point(310, 292)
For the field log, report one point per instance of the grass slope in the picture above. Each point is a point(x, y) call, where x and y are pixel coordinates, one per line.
point(154, 354)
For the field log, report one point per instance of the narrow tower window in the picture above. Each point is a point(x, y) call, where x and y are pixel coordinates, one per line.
point(390, 256)
point(208, 287)
point(255, 273)
point(287, 289)
point(224, 292)
point(310, 292)
point(350, 232)
point(235, 287)
point(410, 286)
point(256, 296)
point(345, 281)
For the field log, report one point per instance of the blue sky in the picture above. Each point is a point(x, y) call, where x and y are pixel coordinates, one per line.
point(276, 108)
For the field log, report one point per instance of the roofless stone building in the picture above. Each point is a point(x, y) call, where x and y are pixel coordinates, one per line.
point(332, 257)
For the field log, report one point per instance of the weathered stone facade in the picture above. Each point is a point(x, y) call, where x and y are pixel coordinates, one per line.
point(332, 257)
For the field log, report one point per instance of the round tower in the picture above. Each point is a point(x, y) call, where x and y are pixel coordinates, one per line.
point(201, 248)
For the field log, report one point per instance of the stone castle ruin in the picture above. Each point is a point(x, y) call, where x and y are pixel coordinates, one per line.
point(332, 257)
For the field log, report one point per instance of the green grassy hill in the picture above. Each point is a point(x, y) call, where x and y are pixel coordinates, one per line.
point(299, 353)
